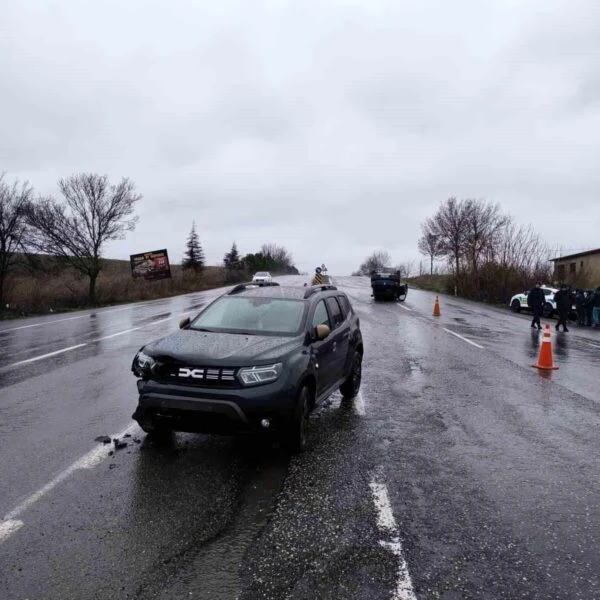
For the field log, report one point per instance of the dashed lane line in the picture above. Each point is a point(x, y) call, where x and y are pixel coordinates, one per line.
point(386, 523)
point(87, 315)
point(77, 346)
point(464, 339)
point(405, 307)
point(12, 522)
point(387, 526)
point(48, 355)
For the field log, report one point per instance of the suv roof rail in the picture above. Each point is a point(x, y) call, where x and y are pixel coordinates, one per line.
point(241, 287)
point(313, 289)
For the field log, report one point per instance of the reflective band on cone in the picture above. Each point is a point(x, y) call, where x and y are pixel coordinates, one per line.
point(545, 355)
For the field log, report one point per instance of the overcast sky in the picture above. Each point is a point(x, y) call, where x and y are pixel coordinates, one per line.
point(331, 127)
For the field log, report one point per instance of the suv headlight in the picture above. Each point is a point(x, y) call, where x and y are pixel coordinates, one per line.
point(258, 375)
point(143, 363)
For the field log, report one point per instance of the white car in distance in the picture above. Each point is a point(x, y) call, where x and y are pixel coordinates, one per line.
point(262, 277)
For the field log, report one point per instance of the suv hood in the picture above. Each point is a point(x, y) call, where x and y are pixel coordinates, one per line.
point(207, 348)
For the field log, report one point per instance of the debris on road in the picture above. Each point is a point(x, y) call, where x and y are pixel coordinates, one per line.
point(119, 444)
point(105, 439)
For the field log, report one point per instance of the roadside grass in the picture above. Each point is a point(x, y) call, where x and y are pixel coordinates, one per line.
point(52, 287)
point(440, 284)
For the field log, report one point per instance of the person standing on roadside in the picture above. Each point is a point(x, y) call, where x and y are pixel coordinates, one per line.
point(589, 307)
point(580, 306)
point(535, 301)
point(596, 307)
point(563, 306)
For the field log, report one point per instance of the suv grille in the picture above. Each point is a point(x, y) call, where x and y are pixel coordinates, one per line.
point(201, 376)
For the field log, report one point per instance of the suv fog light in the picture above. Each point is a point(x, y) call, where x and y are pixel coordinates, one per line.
point(266, 423)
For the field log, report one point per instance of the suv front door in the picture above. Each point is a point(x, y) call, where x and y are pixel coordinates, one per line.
point(322, 351)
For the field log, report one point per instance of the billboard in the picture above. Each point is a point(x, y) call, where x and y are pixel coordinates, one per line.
point(151, 265)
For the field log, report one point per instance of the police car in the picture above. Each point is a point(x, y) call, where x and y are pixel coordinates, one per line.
point(519, 301)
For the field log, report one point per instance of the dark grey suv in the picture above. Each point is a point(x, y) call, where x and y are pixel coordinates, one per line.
point(257, 359)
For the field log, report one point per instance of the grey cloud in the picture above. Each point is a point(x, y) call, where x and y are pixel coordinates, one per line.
point(332, 127)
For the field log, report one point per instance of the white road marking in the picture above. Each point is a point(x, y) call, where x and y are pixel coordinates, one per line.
point(41, 324)
point(36, 358)
point(108, 337)
point(7, 528)
point(87, 315)
point(464, 339)
point(359, 405)
point(405, 307)
point(93, 458)
point(70, 348)
point(387, 525)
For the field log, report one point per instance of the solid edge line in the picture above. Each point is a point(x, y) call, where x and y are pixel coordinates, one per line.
point(387, 525)
point(464, 339)
point(93, 458)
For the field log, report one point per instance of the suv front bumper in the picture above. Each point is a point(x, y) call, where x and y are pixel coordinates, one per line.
point(214, 410)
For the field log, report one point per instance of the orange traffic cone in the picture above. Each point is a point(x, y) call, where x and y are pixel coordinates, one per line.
point(436, 308)
point(545, 356)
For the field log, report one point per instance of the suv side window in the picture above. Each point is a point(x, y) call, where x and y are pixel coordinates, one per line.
point(335, 310)
point(321, 317)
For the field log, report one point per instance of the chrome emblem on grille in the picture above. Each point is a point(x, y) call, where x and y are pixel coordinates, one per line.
point(193, 373)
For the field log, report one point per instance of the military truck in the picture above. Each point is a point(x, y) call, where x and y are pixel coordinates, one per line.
point(386, 285)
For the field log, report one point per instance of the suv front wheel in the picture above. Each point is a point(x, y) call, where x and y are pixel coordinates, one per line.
point(295, 437)
point(350, 387)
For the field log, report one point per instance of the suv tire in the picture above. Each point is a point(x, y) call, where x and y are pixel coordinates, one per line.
point(295, 436)
point(155, 430)
point(548, 310)
point(351, 386)
point(515, 306)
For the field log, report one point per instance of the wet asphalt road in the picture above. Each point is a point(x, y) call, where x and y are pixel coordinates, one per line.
point(492, 469)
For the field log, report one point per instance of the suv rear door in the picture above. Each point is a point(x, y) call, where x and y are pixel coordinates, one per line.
point(341, 336)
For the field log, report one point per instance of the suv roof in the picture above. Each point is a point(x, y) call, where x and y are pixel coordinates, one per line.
point(279, 291)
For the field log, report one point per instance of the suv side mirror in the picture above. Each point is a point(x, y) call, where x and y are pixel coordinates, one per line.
point(183, 324)
point(322, 331)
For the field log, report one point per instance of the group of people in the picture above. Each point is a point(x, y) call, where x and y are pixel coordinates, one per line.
point(586, 302)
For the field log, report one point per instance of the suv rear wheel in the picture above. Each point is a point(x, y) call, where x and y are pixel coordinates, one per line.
point(295, 437)
point(515, 305)
point(548, 310)
point(350, 387)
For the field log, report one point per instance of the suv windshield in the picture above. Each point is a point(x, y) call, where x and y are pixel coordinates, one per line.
point(252, 314)
point(261, 274)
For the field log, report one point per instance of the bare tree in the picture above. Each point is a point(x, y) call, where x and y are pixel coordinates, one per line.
point(378, 260)
point(429, 245)
point(449, 227)
point(484, 225)
point(14, 200)
point(405, 268)
point(277, 254)
point(76, 229)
